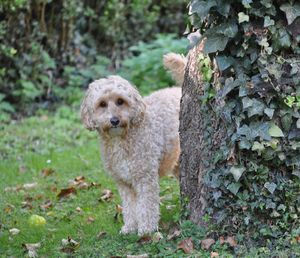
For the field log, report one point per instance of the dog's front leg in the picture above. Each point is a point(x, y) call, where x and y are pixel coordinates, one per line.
point(147, 205)
point(128, 208)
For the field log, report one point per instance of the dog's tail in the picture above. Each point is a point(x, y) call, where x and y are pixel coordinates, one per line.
point(175, 63)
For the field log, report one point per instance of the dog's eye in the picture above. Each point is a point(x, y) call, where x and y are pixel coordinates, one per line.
point(102, 104)
point(120, 102)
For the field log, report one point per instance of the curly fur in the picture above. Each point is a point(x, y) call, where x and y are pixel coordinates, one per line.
point(144, 146)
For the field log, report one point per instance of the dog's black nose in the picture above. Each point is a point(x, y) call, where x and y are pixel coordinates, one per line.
point(114, 121)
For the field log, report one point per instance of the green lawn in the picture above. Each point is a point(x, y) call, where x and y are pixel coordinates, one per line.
point(59, 142)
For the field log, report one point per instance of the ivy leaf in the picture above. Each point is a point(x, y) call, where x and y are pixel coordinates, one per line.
point(201, 8)
point(271, 187)
point(291, 11)
point(275, 131)
point(237, 172)
point(243, 17)
point(268, 21)
point(246, 3)
point(269, 112)
point(234, 187)
point(224, 62)
point(215, 43)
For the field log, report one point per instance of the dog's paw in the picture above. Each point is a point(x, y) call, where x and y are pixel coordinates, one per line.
point(127, 230)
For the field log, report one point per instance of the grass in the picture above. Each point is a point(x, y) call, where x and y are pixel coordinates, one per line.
point(60, 143)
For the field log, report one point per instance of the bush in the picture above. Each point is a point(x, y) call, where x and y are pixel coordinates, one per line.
point(54, 48)
point(253, 48)
point(145, 69)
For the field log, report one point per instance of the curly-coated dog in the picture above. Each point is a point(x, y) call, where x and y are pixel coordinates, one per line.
point(139, 141)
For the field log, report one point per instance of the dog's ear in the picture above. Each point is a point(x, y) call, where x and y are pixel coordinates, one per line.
point(139, 108)
point(85, 112)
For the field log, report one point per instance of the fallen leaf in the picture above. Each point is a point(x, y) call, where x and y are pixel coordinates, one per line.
point(101, 234)
point(8, 208)
point(176, 233)
point(157, 236)
point(214, 254)
point(118, 211)
point(78, 209)
point(46, 205)
point(26, 205)
point(298, 239)
point(186, 245)
point(69, 245)
point(138, 256)
point(207, 243)
point(231, 241)
point(145, 239)
point(47, 172)
point(13, 188)
point(79, 178)
point(32, 249)
point(90, 220)
point(14, 231)
point(30, 186)
point(106, 195)
point(66, 192)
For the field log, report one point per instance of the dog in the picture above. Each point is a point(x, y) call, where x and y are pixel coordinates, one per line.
point(139, 140)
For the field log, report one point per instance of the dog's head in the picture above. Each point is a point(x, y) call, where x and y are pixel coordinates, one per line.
point(111, 105)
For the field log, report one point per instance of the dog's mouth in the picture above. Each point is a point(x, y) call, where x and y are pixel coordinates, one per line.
point(115, 130)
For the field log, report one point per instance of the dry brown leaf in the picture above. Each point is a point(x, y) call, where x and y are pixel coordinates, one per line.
point(13, 188)
point(186, 245)
point(298, 239)
point(145, 239)
point(8, 208)
point(231, 241)
point(157, 236)
point(69, 245)
point(176, 233)
point(101, 234)
point(14, 231)
point(47, 204)
point(106, 195)
point(30, 186)
point(79, 178)
point(78, 209)
point(222, 240)
point(214, 254)
point(26, 205)
point(47, 172)
point(207, 243)
point(32, 249)
point(90, 220)
point(66, 192)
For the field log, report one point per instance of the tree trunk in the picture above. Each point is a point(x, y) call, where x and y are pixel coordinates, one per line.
point(201, 134)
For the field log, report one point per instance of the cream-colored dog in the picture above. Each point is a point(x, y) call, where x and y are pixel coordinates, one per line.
point(139, 140)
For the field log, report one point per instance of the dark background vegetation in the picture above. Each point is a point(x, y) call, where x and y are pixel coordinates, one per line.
point(50, 50)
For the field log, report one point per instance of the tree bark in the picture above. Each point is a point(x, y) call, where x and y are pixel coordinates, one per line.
point(201, 134)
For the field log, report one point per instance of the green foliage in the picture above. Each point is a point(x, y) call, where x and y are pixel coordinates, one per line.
point(145, 69)
point(55, 48)
point(255, 179)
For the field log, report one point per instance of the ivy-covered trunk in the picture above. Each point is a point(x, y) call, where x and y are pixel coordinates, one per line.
point(240, 119)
